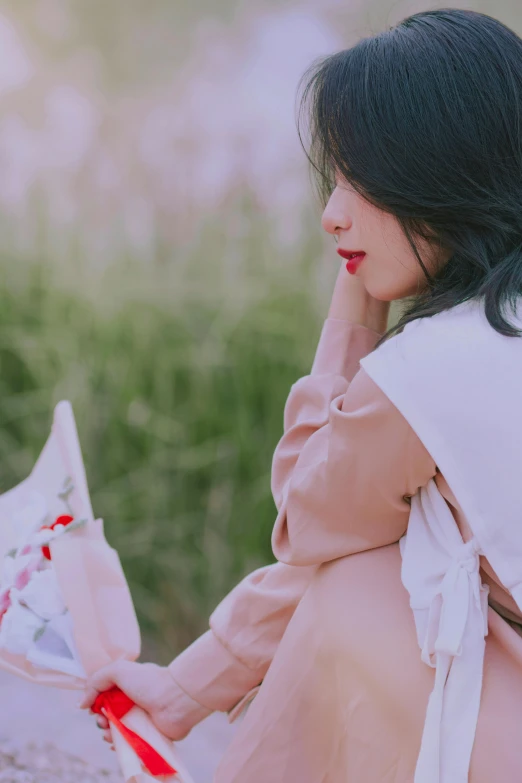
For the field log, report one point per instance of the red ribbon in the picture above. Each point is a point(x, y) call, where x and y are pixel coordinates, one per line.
point(114, 704)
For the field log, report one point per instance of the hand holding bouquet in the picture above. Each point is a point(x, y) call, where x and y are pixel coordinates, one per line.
point(66, 612)
point(152, 687)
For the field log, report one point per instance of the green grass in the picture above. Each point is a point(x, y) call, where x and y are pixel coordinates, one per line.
point(178, 378)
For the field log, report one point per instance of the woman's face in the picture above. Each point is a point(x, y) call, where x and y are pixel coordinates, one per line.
point(390, 270)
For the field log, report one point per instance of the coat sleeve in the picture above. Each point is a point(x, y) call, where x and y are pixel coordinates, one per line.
point(350, 487)
point(222, 668)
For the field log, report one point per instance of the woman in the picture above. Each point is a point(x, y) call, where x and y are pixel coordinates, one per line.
point(415, 135)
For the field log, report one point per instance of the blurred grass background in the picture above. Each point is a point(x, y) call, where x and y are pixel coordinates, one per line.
point(177, 343)
point(179, 404)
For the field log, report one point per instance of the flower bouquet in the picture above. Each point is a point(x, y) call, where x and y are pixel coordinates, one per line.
point(65, 606)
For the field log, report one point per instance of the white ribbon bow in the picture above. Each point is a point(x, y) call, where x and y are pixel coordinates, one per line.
point(449, 602)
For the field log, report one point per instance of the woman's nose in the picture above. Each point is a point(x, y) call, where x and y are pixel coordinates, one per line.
point(334, 218)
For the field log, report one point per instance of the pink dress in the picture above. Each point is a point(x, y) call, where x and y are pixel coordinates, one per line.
point(322, 644)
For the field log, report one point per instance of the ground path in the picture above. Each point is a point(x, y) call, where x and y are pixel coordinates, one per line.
point(45, 738)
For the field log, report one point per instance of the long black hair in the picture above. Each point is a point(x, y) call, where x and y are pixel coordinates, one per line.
point(424, 120)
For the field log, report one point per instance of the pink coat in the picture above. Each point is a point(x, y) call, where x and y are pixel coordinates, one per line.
point(335, 699)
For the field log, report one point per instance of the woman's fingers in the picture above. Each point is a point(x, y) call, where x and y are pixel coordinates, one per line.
point(89, 697)
point(134, 679)
point(101, 681)
point(103, 723)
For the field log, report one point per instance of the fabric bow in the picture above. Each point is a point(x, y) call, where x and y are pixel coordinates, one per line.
point(450, 605)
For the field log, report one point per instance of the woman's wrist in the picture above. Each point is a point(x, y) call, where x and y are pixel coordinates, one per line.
point(183, 706)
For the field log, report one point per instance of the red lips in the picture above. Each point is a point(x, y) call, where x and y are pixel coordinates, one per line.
point(354, 259)
point(349, 253)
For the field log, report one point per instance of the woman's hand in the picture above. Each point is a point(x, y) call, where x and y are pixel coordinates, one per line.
point(352, 302)
point(152, 688)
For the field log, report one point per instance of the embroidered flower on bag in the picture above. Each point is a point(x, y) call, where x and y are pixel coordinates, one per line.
point(34, 620)
point(23, 576)
point(18, 627)
point(42, 594)
point(57, 527)
point(27, 582)
point(5, 601)
point(12, 566)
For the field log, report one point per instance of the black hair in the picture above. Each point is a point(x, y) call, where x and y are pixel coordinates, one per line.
point(424, 120)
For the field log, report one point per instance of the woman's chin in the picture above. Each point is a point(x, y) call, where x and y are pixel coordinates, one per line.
point(390, 293)
point(380, 293)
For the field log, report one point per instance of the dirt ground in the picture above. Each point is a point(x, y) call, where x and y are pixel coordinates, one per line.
point(45, 763)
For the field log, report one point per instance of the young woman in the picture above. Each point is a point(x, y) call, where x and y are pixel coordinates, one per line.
point(412, 435)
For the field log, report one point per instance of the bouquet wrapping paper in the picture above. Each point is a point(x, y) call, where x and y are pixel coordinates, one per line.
point(65, 606)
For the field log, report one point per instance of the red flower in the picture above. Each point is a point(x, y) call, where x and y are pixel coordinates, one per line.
point(64, 519)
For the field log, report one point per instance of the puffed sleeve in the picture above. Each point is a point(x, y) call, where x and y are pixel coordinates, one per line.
point(349, 487)
point(222, 668)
